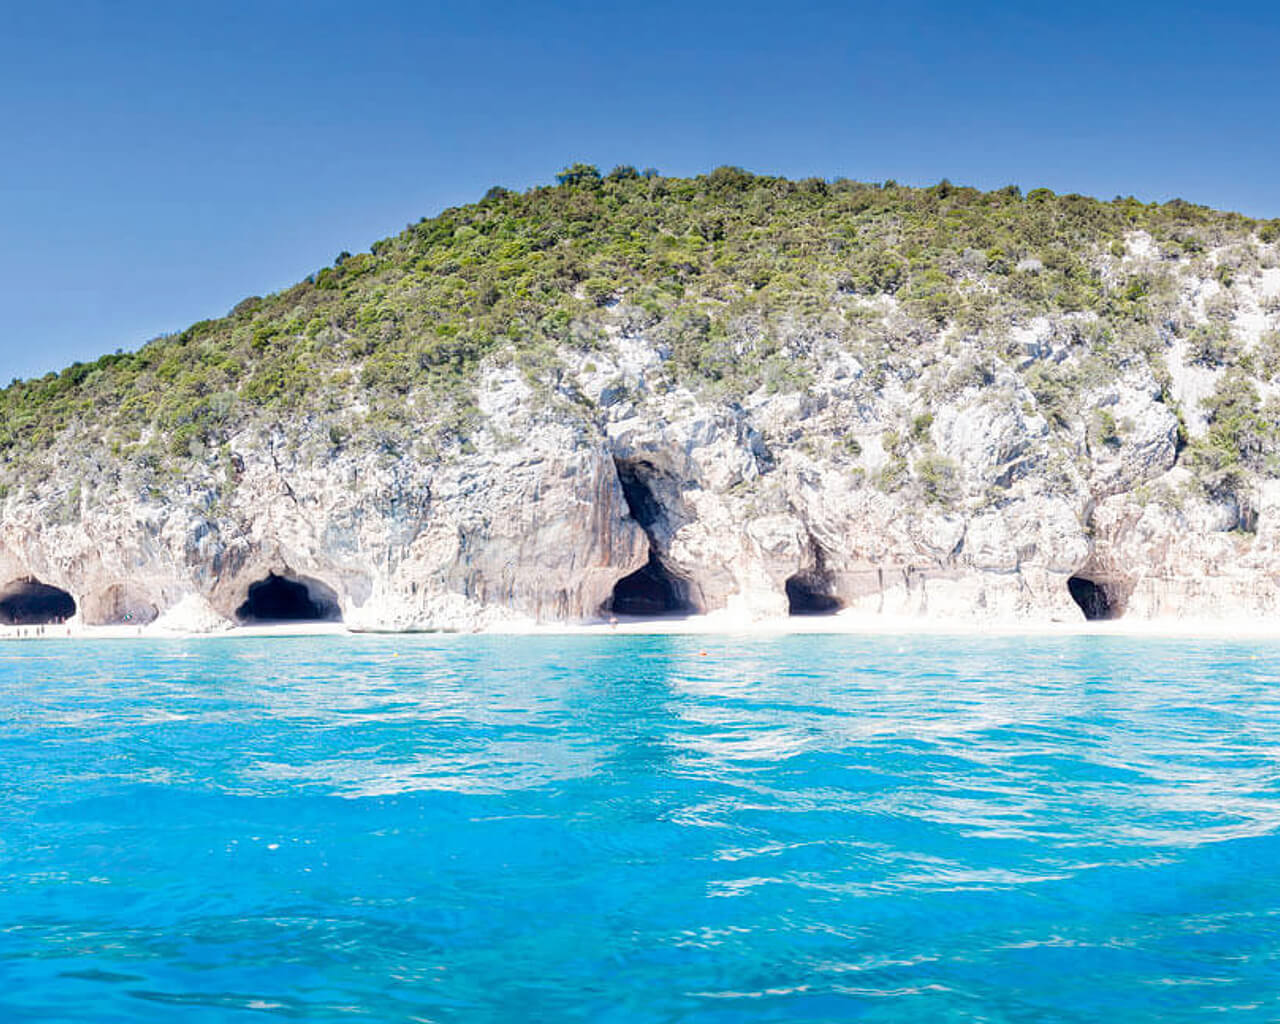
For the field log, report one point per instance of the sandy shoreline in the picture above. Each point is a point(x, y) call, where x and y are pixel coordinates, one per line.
point(850, 624)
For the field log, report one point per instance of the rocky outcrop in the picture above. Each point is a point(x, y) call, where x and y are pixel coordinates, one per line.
point(541, 530)
point(924, 487)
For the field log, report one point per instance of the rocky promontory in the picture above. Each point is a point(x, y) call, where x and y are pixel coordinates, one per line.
point(636, 395)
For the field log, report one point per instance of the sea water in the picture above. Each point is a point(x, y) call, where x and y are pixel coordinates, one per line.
point(640, 829)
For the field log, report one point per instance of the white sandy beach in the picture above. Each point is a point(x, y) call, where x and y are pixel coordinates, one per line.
point(715, 623)
point(853, 623)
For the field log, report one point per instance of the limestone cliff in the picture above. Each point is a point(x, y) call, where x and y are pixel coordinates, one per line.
point(914, 468)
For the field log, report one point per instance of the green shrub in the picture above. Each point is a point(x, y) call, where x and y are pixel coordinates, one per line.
point(579, 174)
point(939, 478)
point(599, 289)
point(1266, 356)
point(931, 295)
point(1103, 429)
point(1212, 345)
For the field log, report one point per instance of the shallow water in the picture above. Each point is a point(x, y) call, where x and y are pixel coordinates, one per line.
point(626, 829)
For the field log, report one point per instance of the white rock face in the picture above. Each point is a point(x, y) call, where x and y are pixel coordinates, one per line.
point(541, 530)
point(939, 489)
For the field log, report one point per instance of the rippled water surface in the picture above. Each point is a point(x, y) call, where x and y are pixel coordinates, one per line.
point(640, 829)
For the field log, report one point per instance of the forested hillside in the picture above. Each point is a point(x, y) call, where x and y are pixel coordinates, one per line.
point(745, 279)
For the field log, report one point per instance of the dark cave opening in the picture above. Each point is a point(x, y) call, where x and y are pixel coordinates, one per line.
point(650, 590)
point(280, 599)
point(810, 594)
point(1094, 599)
point(32, 603)
point(645, 509)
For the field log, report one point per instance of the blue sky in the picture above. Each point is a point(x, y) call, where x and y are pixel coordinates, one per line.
point(161, 161)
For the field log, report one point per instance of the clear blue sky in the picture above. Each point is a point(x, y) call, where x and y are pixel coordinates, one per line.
point(163, 160)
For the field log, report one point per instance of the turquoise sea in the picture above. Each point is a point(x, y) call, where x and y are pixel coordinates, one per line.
point(805, 828)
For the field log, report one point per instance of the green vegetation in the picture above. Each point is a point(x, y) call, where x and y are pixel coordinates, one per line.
point(381, 348)
point(1243, 433)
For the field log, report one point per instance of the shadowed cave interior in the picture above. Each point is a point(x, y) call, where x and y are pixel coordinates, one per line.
point(32, 603)
point(1094, 599)
point(281, 599)
point(651, 589)
point(809, 593)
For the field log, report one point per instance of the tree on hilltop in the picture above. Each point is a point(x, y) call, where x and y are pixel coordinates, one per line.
point(579, 174)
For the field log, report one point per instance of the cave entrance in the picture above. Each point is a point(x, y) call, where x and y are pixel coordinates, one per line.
point(1096, 600)
point(650, 590)
point(809, 593)
point(29, 602)
point(281, 599)
point(634, 476)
